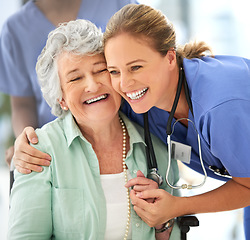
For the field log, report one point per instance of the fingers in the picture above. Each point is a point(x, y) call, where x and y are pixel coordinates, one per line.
point(137, 201)
point(142, 208)
point(151, 213)
point(141, 183)
point(28, 168)
point(140, 174)
point(152, 193)
point(22, 147)
point(26, 158)
point(30, 134)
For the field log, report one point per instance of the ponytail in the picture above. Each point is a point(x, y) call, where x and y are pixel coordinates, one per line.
point(193, 50)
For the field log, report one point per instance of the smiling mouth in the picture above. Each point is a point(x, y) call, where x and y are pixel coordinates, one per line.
point(96, 99)
point(137, 95)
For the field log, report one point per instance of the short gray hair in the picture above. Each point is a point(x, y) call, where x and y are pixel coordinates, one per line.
point(80, 37)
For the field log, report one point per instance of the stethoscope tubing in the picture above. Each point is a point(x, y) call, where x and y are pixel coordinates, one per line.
point(151, 160)
point(185, 186)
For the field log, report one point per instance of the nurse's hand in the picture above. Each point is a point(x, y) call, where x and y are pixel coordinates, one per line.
point(26, 158)
point(141, 183)
point(158, 212)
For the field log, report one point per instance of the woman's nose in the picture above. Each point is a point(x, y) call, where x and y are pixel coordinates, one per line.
point(126, 80)
point(92, 84)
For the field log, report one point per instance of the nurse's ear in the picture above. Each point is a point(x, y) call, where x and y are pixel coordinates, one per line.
point(63, 104)
point(170, 59)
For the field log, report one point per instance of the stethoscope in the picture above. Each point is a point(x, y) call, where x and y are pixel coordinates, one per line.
point(151, 159)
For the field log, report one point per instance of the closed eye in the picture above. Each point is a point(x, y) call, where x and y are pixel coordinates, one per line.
point(75, 79)
point(102, 70)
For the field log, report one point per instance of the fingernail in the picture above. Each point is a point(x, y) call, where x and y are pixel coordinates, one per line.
point(47, 163)
point(34, 140)
point(40, 169)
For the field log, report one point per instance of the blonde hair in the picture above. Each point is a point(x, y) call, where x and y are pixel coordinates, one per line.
point(141, 20)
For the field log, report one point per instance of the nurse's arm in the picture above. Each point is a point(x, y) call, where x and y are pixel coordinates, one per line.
point(27, 158)
point(232, 195)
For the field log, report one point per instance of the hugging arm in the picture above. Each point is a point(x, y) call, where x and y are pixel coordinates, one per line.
point(27, 158)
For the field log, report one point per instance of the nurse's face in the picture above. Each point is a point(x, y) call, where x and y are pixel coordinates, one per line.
point(87, 89)
point(138, 72)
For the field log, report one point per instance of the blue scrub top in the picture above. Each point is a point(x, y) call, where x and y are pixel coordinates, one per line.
point(220, 93)
point(23, 37)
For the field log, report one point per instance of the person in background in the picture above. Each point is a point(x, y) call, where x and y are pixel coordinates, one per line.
point(94, 148)
point(146, 66)
point(22, 38)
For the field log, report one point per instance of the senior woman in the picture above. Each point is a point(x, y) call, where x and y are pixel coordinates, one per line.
point(94, 151)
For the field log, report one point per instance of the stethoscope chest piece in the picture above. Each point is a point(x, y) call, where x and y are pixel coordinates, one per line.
point(152, 174)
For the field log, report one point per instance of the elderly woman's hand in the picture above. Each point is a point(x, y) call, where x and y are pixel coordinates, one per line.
point(141, 183)
point(26, 158)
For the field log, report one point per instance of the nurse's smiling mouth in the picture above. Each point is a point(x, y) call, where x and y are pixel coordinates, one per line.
point(137, 94)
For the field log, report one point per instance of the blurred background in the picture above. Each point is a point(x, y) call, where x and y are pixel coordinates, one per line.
point(224, 25)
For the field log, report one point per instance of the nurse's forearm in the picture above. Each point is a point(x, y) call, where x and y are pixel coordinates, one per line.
point(232, 195)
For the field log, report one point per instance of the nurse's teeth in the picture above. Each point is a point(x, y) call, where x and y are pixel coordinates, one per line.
point(96, 99)
point(137, 95)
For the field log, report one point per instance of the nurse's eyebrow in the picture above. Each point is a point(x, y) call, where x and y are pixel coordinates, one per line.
point(135, 61)
point(129, 63)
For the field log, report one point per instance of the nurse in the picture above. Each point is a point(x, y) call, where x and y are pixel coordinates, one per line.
point(145, 66)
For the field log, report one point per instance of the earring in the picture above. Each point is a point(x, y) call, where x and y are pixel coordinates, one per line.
point(65, 108)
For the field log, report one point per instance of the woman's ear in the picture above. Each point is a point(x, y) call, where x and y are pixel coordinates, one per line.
point(63, 104)
point(171, 59)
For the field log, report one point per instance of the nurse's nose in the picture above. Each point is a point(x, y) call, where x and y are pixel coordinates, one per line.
point(126, 81)
point(92, 84)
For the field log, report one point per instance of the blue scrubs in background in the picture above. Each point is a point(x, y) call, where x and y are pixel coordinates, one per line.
point(22, 39)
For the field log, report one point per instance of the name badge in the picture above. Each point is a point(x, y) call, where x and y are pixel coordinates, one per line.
point(180, 151)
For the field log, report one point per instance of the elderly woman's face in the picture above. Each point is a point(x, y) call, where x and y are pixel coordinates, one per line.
point(87, 89)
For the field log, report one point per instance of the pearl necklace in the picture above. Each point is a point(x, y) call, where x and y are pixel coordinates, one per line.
point(125, 174)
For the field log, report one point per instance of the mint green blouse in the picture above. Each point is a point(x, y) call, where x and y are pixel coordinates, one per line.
point(66, 200)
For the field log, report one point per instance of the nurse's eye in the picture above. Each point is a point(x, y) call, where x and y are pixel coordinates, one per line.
point(114, 72)
point(135, 68)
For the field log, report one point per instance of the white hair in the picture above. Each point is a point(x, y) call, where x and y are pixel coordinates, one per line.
point(79, 37)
